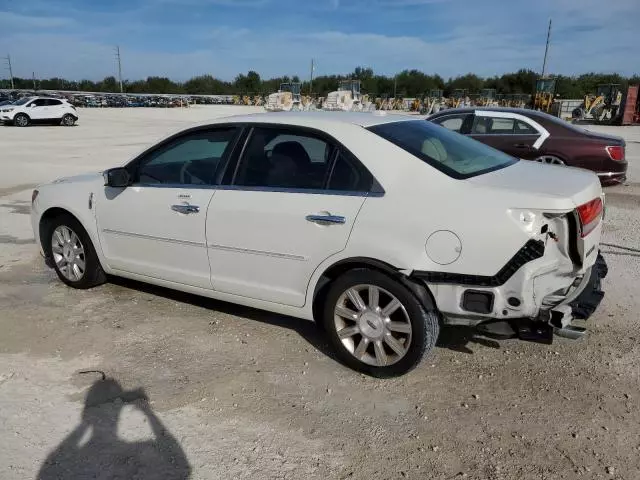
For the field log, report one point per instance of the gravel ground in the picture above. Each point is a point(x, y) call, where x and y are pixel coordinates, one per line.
point(239, 393)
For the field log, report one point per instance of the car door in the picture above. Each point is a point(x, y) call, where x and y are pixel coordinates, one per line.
point(156, 226)
point(38, 109)
point(290, 205)
point(503, 131)
point(54, 109)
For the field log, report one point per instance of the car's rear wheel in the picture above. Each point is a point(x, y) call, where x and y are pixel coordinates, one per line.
point(550, 160)
point(376, 325)
point(21, 120)
point(68, 120)
point(74, 257)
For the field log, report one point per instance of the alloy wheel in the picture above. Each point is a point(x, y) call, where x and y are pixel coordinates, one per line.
point(21, 121)
point(373, 325)
point(68, 253)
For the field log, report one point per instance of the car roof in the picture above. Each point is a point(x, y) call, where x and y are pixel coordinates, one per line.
point(522, 111)
point(310, 119)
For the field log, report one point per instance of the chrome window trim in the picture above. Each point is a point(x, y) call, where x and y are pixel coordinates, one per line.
point(543, 132)
point(310, 191)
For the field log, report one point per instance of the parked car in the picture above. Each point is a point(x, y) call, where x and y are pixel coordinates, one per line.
point(533, 135)
point(32, 110)
point(381, 227)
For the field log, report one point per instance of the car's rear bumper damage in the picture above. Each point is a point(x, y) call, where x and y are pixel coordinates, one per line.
point(544, 295)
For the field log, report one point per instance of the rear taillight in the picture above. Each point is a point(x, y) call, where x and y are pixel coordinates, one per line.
point(590, 215)
point(615, 152)
point(34, 195)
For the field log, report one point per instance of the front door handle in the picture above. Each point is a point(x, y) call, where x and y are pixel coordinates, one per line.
point(185, 208)
point(323, 219)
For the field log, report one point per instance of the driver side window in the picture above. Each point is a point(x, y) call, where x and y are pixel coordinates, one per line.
point(191, 159)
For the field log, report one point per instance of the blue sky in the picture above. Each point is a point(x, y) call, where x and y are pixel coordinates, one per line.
point(75, 39)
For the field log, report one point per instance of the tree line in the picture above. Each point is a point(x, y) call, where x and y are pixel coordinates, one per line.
point(408, 83)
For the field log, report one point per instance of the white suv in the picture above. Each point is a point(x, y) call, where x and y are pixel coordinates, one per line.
point(30, 110)
point(380, 227)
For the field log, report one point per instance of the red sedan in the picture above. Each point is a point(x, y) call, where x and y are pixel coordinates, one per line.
point(533, 135)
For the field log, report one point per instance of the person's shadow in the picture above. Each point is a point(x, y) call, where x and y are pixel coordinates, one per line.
point(94, 451)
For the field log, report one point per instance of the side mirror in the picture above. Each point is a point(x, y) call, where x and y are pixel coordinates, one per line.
point(116, 177)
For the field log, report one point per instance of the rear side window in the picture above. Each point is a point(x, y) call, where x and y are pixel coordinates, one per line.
point(455, 155)
point(348, 175)
point(52, 102)
point(523, 128)
point(281, 158)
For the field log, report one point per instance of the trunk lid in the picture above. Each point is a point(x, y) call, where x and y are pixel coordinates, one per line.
point(605, 138)
point(543, 186)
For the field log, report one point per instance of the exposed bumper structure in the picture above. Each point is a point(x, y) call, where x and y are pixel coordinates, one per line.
point(535, 295)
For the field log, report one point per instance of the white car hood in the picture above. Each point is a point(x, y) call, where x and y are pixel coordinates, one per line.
point(559, 187)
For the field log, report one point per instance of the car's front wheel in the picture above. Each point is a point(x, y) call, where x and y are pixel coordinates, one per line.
point(74, 257)
point(21, 120)
point(68, 120)
point(376, 325)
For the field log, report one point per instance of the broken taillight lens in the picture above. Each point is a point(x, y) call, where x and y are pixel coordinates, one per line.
point(616, 152)
point(590, 215)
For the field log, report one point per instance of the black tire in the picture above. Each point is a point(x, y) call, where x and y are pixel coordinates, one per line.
point(93, 273)
point(21, 120)
point(68, 120)
point(425, 324)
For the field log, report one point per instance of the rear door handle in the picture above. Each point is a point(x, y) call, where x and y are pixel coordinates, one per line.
point(522, 145)
point(185, 208)
point(322, 219)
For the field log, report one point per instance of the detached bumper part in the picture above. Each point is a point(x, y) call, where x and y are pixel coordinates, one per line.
point(583, 306)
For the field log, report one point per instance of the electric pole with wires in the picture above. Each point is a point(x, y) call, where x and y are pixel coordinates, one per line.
point(119, 68)
point(7, 60)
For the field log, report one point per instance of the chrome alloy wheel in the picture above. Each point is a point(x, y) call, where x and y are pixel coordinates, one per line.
point(376, 331)
point(549, 160)
point(68, 253)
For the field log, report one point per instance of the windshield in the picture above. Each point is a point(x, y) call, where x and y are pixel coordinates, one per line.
point(22, 101)
point(451, 153)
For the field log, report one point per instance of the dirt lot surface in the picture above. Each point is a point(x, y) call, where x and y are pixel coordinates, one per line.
point(239, 393)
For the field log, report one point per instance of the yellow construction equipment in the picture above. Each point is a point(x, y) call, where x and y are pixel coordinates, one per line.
point(601, 107)
point(545, 93)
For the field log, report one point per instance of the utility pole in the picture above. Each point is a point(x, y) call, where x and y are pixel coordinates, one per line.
point(311, 78)
point(546, 51)
point(119, 67)
point(8, 60)
point(395, 85)
point(33, 76)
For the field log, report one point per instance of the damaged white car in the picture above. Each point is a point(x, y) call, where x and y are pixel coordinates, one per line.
point(380, 227)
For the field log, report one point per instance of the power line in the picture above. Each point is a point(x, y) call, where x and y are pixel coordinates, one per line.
point(119, 67)
point(7, 59)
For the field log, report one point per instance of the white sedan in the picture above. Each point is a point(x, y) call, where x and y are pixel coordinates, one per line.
point(380, 227)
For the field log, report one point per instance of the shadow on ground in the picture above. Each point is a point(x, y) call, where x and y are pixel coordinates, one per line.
point(94, 450)
point(310, 331)
point(453, 338)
